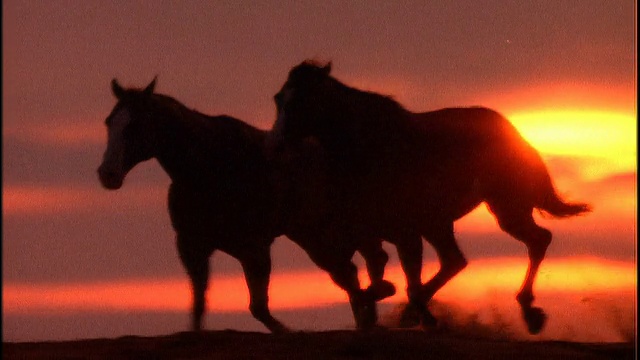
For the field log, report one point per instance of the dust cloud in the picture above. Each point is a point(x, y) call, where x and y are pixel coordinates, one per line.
point(592, 318)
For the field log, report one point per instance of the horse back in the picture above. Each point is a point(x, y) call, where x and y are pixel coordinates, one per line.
point(230, 197)
point(474, 153)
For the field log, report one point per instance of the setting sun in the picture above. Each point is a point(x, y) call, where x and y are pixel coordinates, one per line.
point(580, 132)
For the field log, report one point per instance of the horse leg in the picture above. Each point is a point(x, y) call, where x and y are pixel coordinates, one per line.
point(410, 254)
point(196, 264)
point(452, 261)
point(521, 225)
point(363, 307)
point(376, 259)
point(344, 274)
point(257, 270)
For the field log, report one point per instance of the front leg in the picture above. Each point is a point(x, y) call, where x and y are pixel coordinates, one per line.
point(334, 256)
point(410, 254)
point(376, 259)
point(196, 264)
point(345, 274)
point(257, 271)
point(363, 306)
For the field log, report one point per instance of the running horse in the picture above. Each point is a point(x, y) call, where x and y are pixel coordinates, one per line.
point(228, 194)
point(423, 171)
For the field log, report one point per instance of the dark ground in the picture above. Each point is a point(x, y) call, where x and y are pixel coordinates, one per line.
point(343, 344)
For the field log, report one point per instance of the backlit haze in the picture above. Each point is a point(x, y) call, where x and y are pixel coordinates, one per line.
point(79, 261)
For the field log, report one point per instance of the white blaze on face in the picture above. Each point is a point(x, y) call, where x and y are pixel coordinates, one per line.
point(113, 159)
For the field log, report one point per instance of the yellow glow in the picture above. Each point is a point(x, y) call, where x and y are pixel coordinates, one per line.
point(590, 133)
point(596, 134)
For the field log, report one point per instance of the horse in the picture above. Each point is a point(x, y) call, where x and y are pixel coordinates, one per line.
point(423, 171)
point(227, 193)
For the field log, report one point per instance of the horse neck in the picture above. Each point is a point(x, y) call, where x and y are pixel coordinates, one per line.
point(364, 125)
point(198, 149)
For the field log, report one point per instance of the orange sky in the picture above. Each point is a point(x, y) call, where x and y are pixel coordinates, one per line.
point(564, 73)
point(563, 286)
point(584, 275)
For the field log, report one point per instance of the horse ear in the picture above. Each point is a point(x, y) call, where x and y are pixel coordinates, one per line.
point(149, 89)
point(327, 68)
point(118, 91)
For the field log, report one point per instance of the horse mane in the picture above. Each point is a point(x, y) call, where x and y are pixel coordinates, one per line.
point(356, 122)
point(228, 131)
point(186, 113)
point(315, 71)
point(136, 94)
point(171, 102)
point(357, 127)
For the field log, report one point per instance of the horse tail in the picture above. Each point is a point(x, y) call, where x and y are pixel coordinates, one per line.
point(556, 207)
point(536, 176)
point(551, 203)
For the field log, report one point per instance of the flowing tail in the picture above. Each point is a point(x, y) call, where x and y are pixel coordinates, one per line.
point(551, 202)
point(547, 200)
point(556, 207)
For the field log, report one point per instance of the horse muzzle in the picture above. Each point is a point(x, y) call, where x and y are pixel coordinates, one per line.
point(110, 179)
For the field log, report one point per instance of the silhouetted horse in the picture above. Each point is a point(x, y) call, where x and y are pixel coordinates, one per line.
point(423, 171)
point(227, 194)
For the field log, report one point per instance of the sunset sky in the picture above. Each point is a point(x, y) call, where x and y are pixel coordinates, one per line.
point(564, 72)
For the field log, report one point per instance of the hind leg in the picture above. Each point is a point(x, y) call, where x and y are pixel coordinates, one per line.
point(196, 263)
point(452, 261)
point(521, 225)
point(376, 259)
point(257, 270)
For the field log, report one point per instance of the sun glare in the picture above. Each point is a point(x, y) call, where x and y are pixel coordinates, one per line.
point(594, 134)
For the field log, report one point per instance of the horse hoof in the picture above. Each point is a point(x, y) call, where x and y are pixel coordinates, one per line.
point(381, 290)
point(535, 319)
point(409, 317)
point(280, 330)
point(428, 320)
point(385, 289)
point(367, 317)
point(277, 327)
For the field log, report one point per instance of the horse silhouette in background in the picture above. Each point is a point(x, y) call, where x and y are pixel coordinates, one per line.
point(228, 194)
point(411, 173)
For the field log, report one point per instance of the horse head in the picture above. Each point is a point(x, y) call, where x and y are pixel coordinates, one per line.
point(302, 102)
point(129, 142)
